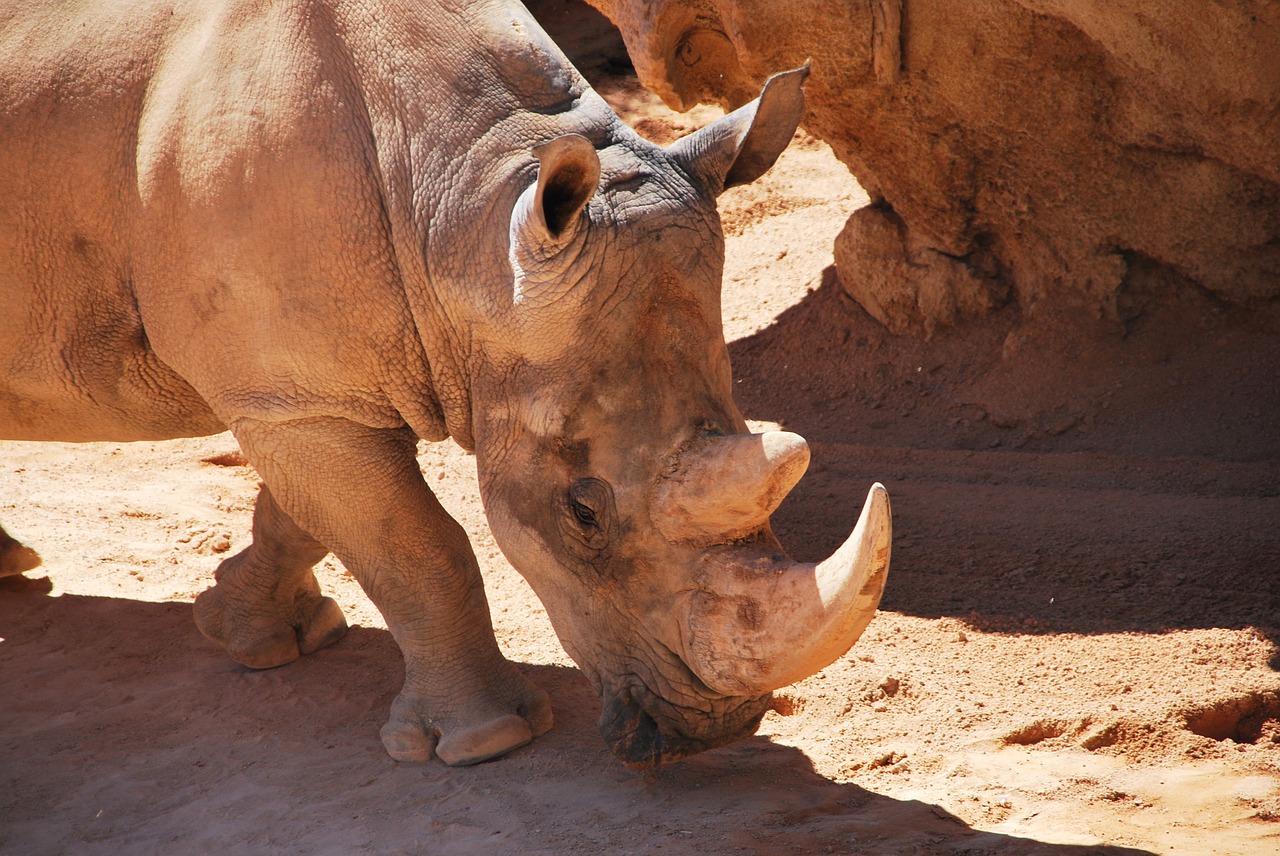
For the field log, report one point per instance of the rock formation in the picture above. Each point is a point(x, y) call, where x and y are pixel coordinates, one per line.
point(1069, 153)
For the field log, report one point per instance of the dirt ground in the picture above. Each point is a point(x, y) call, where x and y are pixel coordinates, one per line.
point(1077, 649)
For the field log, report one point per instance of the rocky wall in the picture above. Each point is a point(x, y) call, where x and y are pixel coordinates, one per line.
point(1055, 154)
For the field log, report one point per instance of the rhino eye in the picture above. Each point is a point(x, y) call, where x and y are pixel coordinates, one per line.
point(589, 500)
point(589, 514)
point(586, 516)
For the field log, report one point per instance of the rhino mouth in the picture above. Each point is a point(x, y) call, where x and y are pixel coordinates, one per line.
point(644, 731)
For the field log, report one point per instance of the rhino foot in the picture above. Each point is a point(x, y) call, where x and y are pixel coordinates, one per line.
point(16, 557)
point(478, 734)
point(263, 632)
point(266, 608)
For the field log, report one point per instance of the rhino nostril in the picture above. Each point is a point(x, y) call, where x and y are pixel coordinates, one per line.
point(631, 732)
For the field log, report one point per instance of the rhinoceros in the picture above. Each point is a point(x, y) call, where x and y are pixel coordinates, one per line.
point(341, 226)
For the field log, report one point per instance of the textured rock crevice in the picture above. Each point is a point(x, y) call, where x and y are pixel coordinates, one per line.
point(1014, 150)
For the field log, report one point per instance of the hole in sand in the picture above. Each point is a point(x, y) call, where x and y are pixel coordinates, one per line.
point(1041, 729)
point(226, 459)
point(1245, 719)
point(1108, 735)
point(786, 705)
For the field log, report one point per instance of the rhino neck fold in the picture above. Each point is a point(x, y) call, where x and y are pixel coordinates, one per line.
point(449, 238)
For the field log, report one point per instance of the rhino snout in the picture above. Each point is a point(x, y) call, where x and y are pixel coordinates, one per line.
point(643, 731)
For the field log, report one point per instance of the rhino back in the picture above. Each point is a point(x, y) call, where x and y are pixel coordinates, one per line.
point(220, 210)
point(74, 358)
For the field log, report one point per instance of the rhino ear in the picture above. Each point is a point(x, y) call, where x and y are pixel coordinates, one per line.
point(742, 146)
point(568, 175)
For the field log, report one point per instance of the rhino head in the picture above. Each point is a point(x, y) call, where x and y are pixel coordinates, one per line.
point(617, 474)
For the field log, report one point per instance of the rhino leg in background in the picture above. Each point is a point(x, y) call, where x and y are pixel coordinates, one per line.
point(266, 608)
point(359, 490)
point(15, 557)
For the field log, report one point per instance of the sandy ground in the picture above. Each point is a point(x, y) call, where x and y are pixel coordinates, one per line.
point(1076, 651)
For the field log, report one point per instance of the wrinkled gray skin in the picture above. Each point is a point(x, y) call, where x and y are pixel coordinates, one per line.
point(324, 226)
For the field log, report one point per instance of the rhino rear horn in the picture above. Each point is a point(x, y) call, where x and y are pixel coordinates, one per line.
point(722, 488)
point(742, 146)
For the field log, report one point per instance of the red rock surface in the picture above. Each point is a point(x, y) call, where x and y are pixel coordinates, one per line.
point(1048, 154)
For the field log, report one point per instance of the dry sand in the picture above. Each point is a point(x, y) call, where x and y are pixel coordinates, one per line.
point(1076, 650)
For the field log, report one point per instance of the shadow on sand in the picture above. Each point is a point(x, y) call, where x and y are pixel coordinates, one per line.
point(125, 731)
point(1138, 509)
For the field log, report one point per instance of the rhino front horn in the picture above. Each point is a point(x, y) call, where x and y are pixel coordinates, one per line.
point(758, 623)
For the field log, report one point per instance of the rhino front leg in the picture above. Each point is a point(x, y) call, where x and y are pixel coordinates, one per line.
point(266, 608)
point(15, 557)
point(360, 492)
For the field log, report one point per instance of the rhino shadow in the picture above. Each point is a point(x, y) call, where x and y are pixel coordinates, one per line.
point(1132, 525)
point(126, 731)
